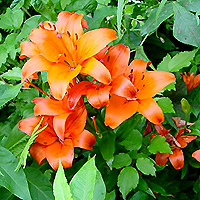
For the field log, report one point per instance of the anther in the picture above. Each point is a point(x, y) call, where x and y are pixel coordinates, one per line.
point(54, 27)
point(68, 33)
point(76, 35)
point(49, 25)
point(108, 59)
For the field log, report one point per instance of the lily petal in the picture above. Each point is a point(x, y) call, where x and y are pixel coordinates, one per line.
point(38, 152)
point(51, 46)
point(28, 49)
point(123, 87)
point(153, 82)
point(49, 107)
point(97, 70)
point(76, 122)
point(119, 110)
point(177, 159)
point(116, 60)
point(150, 109)
point(63, 152)
point(59, 77)
point(85, 140)
point(70, 23)
point(98, 96)
point(59, 124)
point(184, 140)
point(28, 125)
point(35, 64)
point(93, 41)
point(161, 158)
point(196, 155)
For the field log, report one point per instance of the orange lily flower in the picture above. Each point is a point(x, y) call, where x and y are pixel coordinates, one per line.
point(133, 91)
point(115, 60)
point(60, 112)
point(64, 50)
point(48, 145)
point(191, 81)
point(177, 144)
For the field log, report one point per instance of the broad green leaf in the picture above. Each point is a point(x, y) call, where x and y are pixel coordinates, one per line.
point(188, 33)
point(28, 25)
point(127, 180)
point(152, 24)
point(159, 10)
point(139, 195)
point(99, 15)
point(3, 54)
point(146, 166)
point(8, 92)
point(166, 104)
point(17, 16)
point(158, 143)
point(121, 160)
point(5, 194)
point(164, 65)
point(192, 5)
point(120, 7)
point(45, 8)
point(61, 188)
point(63, 3)
point(107, 145)
point(111, 195)
point(102, 3)
point(17, 4)
point(13, 74)
point(99, 188)
point(14, 181)
point(181, 60)
point(6, 21)
point(133, 141)
point(83, 183)
point(40, 187)
point(85, 5)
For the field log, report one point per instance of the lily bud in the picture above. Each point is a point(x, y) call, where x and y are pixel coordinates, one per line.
point(185, 106)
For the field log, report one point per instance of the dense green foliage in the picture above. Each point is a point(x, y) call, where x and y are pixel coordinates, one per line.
point(121, 164)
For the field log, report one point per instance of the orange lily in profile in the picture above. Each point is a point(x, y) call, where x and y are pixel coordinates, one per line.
point(60, 112)
point(133, 91)
point(176, 144)
point(64, 50)
point(48, 145)
point(191, 81)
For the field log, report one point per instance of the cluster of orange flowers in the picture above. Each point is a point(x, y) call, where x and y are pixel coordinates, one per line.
point(68, 54)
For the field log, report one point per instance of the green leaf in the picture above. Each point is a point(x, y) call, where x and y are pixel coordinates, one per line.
point(127, 180)
point(29, 24)
point(161, 14)
point(158, 143)
point(40, 186)
point(146, 166)
point(99, 188)
point(83, 183)
point(159, 10)
point(165, 104)
point(8, 92)
point(63, 3)
point(3, 54)
point(139, 195)
point(17, 16)
point(99, 15)
point(189, 33)
point(14, 181)
point(111, 195)
point(181, 60)
point(133, 141)
point(121, 160)
point(13, 74)
point(45, 8)
point(164, 65)
point(61, 188)
point(107, 145)
point(120, 7)
point(192, 5)
point(17, 4)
